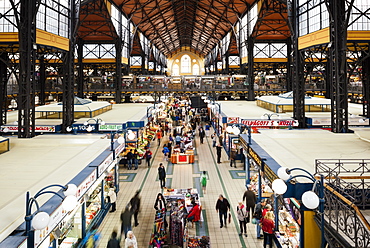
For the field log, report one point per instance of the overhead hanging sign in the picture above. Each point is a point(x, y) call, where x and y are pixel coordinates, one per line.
point(38, 129)
point(270, 123)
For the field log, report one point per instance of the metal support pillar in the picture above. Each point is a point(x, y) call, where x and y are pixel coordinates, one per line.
point(289, 66)
point(366, 87)
point(251, 96)
point(227, 66)
point(80, 78)
point(298, 84)
point(42, 80)
point(3, 87)
point(118, 79)
point(338, 65)
point(27, 51)
point(68, 70)
point(143, 63)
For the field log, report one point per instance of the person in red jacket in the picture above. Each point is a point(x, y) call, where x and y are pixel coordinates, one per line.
point(159, 136)
point(194, 213)
point(268, 227)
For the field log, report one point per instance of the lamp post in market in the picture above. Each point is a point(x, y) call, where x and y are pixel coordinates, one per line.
point(39, 219)
point(310, 199)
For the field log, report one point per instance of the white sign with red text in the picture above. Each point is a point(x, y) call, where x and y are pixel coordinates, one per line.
point(270, 123)
point(39, 129)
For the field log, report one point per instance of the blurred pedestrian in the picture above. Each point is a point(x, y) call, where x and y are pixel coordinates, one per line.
point(113, 241)
point(233, 158)
point(126, 217)
point(130, 241)
point(135, 206)
point(148, 156)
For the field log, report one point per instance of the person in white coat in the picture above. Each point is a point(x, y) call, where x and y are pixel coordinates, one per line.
point(112, 198)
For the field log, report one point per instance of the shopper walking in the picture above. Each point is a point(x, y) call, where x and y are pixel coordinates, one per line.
point(113, 241)
point(135, 159)
point(233, 158)
point(222, 207)
point(218, 152)
point(268, 227)
point(129, 159)
point(159, 136)
point(148, 156)
point(135, 206)
point(112, 199)
point(242, 217)
point(214, 139)
point(258, 215)
point(203, 181)
point(202, 134)
point(162, 175)
point(165, 152)
point(250, 199)
point(126, 217)
point(130, 241)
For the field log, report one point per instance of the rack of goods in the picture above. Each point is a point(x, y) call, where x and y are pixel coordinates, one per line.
point(202, 242)
point(266, 190)
point(159, 234)
point(289, 224)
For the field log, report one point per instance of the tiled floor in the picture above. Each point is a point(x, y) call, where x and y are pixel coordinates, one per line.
point(220, 182)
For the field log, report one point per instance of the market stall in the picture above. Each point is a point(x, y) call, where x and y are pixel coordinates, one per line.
point(182, 158)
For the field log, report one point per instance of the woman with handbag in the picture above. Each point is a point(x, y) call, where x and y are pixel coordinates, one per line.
point(242, 217)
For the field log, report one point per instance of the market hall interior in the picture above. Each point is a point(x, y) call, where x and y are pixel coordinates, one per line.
point(47, 159)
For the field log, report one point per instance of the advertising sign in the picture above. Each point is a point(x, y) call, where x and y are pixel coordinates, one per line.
point(38, 129)
point(270, 123)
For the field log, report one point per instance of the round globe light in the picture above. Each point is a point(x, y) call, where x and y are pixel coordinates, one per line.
point(236, 130)
point(86, 123)
point(69, 128)
point(279, 186)
point(282, 173)
point(310, 199)
point(89, 128)
point(40, 220)
point(102, 122)
point(121, 140)
point(69, 203)
point(71, 189)
point(131, 135)
point(229, 129)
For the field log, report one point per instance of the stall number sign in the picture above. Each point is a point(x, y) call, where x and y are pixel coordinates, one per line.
point(38, 129)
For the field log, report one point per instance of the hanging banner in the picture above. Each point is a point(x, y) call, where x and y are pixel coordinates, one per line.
point(270, 123)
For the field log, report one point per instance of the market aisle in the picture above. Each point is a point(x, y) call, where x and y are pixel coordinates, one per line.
point(185, 176)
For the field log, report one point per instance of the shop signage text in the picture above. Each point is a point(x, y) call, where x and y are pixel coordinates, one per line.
point(270, 123)
point(86, 184)
point(39, 129)
point(255, 157)
point(110, 127)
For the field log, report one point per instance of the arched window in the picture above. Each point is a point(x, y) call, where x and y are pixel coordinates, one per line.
point(195, 69)
point(175, 70)
point(185, 64)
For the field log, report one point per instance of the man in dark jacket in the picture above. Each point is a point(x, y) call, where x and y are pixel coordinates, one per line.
point(222, 206)
point(250, 200)
point(113, 242)
point(135, 206)
point(162, 175)
point(258, 215)
point(126, 220)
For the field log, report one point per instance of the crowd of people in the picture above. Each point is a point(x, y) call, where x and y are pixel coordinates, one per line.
point(179, 128)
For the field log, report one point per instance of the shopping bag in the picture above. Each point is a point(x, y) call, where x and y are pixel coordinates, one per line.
point(229, 218)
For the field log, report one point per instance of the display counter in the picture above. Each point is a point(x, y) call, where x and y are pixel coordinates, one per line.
point(289, 224)
point(196, 241)
point(4, 145)
point(183, 158)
